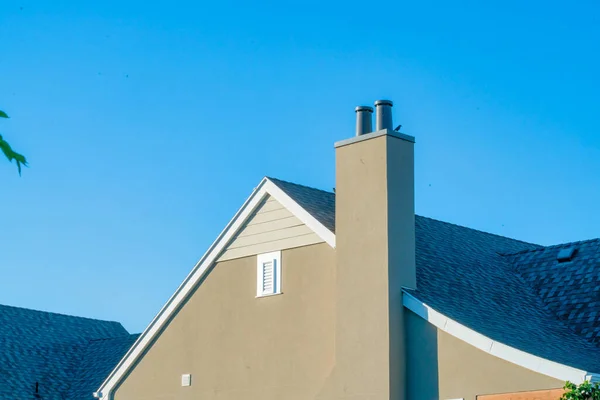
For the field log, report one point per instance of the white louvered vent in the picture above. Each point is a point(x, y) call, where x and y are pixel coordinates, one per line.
point(268, 274)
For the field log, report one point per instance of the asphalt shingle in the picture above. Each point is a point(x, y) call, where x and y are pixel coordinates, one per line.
point(51, 349)
point(571, 289)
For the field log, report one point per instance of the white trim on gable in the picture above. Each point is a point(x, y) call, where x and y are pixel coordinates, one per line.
point(266, 187)
point(303, 215)
point(495, 348)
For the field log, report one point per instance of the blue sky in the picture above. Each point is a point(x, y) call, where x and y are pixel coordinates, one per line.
point(147, 124)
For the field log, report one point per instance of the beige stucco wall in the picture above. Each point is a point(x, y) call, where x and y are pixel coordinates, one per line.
point(237, 346)
point(462, 371)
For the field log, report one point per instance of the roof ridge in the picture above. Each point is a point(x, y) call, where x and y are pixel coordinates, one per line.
point(275, 180)
point(114, 337)
point(539, 246)
point(56, 313)
point(577, 242)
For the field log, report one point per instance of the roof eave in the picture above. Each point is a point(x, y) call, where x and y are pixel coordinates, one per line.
point(493, 347)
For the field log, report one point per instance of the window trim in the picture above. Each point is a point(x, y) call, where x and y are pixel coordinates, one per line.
point(261, 259)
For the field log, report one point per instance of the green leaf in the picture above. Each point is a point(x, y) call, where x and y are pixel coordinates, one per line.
point(3, 114)
point(11, 155)
point(585, 391)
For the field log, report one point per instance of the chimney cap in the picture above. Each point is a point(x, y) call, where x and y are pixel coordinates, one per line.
point(364, 108)
point(384, 103)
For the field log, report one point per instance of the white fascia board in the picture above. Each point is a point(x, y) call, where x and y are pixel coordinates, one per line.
point(300, 213)
point(534, 363)
point(266, 187)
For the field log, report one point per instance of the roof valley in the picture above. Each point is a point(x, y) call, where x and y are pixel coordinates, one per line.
point(544, 305)
point(570, 290)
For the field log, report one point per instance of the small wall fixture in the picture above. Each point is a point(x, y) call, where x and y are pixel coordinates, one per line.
point(186, 380)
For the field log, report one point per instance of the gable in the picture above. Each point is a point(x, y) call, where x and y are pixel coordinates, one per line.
point(229, 240)
point(270, 227)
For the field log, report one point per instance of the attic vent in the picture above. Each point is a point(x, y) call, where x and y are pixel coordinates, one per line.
point(567, 254)
point(268, 274)
point(268, 277)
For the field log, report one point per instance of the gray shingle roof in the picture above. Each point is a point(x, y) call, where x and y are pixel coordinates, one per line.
point(571, 290)
point(508, 290)
point(55, 351)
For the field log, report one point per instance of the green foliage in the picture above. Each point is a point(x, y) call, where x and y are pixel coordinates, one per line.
point(19, 159)
point(585, 391)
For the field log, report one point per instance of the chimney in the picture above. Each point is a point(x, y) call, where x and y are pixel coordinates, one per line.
point(375, 258)
point(364, 120)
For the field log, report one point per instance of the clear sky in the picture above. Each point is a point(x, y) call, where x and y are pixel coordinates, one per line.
point(148, 123)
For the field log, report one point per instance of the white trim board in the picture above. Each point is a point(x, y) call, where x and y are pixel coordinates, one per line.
point(534, 363)
point(266, 187)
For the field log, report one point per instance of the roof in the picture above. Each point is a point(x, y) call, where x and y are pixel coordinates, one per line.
point(510, 291)
point(55, 351)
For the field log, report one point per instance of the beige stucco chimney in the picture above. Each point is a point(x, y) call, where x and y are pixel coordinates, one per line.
point(375, 252)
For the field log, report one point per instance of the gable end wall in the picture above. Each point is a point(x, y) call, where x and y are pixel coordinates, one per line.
point(237, 346)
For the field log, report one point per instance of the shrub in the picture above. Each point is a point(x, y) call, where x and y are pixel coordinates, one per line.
point(585, 391)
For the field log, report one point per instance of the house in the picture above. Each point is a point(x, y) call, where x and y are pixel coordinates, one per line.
point(50, 356)
point(308, 294)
